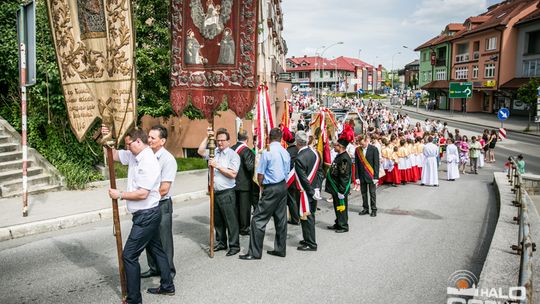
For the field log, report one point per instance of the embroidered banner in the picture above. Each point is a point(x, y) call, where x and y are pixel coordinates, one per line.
point(94, 50)
point(214, 55)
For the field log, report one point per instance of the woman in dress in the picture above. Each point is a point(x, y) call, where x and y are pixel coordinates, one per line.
point(464, 153)
point(491, 145)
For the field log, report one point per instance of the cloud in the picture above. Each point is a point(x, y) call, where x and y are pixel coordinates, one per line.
point(433, 13)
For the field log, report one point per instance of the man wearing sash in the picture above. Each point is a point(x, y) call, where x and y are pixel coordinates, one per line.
point(338, 183)
point(293, 196)
point(367, 174)
point(309, 175)
point(244, 181)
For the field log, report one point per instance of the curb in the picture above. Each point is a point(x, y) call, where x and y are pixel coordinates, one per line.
point(461, 121)
point(69, 221)
point(105, 183)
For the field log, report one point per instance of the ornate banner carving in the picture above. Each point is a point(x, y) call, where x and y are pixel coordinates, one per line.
point(94, 48)
point(214, 54)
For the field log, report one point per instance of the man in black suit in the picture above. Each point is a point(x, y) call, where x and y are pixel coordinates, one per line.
point(293, 195)
point(309, 175)
point(367, 173)
point(244, 181)
point(338, 182)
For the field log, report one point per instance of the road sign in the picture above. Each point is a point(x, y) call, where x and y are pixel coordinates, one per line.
point(503, 114)
point(460, 90)
point(294, 88)
point(418, 95)
point(360, 91)
point(26, 34)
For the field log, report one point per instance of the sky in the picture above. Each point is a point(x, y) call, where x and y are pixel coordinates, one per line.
point(372, 30)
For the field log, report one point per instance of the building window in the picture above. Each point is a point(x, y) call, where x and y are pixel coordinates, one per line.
point(533, 43)
point(475, 72)
point(440, 75)
point(424, 55)
point(491, 44)
point(531, 68)
point(462, 73)
point(489, 70)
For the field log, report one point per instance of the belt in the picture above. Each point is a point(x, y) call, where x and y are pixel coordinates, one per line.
point(275, 184)
point(218, 192)
point(146, 211)
point(164, 200)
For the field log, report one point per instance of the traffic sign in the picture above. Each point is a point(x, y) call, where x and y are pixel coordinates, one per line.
point(503, 114)
point(460, 90)
point(418, 94)
point(360, 91)
point(294, 88)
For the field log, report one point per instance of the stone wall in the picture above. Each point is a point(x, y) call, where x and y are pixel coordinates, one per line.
point(531, 183)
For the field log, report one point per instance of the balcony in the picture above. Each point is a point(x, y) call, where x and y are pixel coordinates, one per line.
point(462, 58)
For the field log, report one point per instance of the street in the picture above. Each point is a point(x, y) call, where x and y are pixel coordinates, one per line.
point(404, 255)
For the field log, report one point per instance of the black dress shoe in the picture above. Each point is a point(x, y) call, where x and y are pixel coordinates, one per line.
point(342, 230)
point(364, 212)
point(373, 214)
point(160, 291)
point(276, 253)
point(333, 227)
point(302, 242)
point(219, 248)
point(306, 248)
point(248, 257)
point(149, 273)
point(232, 252)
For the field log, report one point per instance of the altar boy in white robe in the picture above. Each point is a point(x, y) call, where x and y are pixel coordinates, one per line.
point(430, 175)
point(452, 158)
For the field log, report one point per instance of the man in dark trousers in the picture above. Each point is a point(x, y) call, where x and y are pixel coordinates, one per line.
point(338, 182)
point(309, 175)
point(244, 181)
point(292, 193)
point(367, 173)
point(272, 172)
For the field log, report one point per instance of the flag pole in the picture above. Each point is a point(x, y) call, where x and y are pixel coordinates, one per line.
point(211, 150)
point(116, 221)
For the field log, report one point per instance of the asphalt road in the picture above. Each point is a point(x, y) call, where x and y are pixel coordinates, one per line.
point(404, 255)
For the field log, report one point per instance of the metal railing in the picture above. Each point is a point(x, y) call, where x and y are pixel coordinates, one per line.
point(525, 246)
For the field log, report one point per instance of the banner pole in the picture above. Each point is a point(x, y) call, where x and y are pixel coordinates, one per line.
point(116, 221)
point(211, 149)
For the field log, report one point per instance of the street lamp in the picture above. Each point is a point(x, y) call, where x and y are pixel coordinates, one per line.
point(322, 56)
point(392, 70)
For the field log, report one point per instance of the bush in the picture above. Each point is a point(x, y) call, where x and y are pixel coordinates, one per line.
point(191, 163)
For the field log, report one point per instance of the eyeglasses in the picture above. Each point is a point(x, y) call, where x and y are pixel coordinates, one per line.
point(221, 140)
point(129, 143)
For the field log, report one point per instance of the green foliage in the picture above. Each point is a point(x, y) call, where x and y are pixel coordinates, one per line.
point(529, 92)
point(120, 170)
point(186, 164)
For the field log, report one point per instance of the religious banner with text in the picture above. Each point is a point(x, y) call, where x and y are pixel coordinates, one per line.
point(214, 55)
point(94, 44)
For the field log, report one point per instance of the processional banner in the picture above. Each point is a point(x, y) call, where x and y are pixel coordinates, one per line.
point(94, 44)
point(214, 55)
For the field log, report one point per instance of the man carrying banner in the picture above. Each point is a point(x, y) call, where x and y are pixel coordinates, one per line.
point(338, 183)
point(225, 165)
point(367, 173)
point(142, 200)
point(309, 175)
point(272, 172)
point(157, 136)
point(244, 182)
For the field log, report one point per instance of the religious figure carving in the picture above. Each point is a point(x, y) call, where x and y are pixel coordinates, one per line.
point(107, 118)
point(91, 18)
point(193, 53)
point(210, 23)
point(227, 49)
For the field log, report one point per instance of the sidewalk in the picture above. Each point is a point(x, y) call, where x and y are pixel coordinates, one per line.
point(62, 209)
point(487, 120)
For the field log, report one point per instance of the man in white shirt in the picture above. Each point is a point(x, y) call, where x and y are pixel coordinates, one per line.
point(142, 200)
point(157, 137)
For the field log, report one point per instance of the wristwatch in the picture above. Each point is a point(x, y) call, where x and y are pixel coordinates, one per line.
point(120, 195)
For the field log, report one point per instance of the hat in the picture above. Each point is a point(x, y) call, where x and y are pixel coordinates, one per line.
point(343, 142)
point(301, 137)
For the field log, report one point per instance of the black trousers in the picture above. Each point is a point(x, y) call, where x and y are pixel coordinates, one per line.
point(342, 217)
point(364, 187)
point(165, 234)
point(226, 220)
point(308, 226)
point(144, 234)
point(243, 206)
point(293, 199)
point(273, 204)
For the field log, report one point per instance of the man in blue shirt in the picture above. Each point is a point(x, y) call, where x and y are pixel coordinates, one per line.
point(272, 172)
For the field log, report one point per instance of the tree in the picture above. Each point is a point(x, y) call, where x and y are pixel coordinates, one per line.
point(528, 93)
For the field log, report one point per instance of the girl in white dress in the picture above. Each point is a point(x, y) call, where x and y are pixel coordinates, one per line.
point(452, 158)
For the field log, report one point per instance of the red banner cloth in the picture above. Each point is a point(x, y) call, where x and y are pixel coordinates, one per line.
point(214, 55)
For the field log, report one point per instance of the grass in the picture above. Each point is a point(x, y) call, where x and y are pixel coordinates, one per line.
point(184, 164)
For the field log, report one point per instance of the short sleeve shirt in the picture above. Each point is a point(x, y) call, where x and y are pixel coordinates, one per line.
point(143, 173)
point(168, 166)
point(274, 164)
point(229, 159)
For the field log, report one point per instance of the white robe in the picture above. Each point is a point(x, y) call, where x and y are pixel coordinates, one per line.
point(430, 175)
point(452, 157)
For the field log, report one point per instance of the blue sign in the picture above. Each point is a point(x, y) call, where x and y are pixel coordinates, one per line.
point(503, 114)
point(418, 95)
point(360, 91)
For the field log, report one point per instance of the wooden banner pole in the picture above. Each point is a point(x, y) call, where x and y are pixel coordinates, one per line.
point(116, 221)
point(211, 154)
